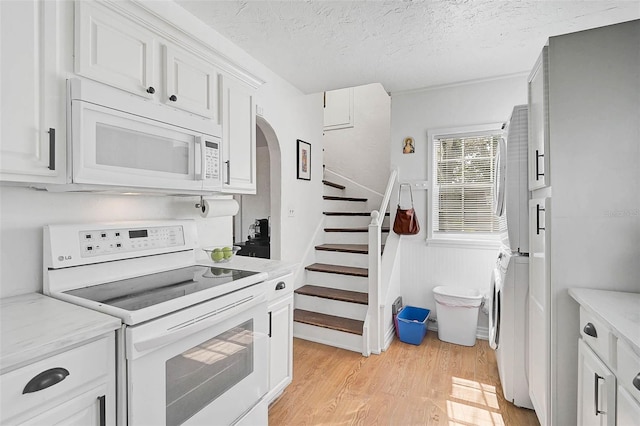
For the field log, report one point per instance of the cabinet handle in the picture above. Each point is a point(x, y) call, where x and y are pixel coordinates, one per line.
point(270, 324)
point(151, 90)
point(46, 379)
point(103, 410)
point(173, 98)
point(636, 381)
point(538, 228)
point(590, 330)
point(281, 285)
point(52, 148)
point(538, 156)
point(228, 163)
point(596, 380)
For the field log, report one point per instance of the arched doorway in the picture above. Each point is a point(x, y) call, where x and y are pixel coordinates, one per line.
point(266, 203)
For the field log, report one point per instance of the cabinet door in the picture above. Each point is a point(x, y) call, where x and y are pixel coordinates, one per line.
point(32, 135)
point(191, 84)
point(538, 88)
point(239, 137)
point(628, 409)
point(88, 409)
point(280, 346)
point(596, 389)
point(113, 50)
point(539, 308)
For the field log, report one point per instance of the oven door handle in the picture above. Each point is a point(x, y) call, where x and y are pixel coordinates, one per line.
point(200, 323)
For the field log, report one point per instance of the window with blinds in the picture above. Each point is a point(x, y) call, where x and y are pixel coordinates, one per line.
point(464, 183)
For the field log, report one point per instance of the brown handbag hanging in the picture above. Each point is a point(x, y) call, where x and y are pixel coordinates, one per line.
point(405, 222)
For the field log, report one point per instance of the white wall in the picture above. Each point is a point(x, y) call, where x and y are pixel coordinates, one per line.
point(413, 114)
point(292, 115)
point(360, 152)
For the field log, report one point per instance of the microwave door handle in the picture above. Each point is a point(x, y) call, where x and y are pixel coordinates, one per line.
point(199, 158)
point(206, 321)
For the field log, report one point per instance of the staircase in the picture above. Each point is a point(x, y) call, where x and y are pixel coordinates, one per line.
point(331, 307)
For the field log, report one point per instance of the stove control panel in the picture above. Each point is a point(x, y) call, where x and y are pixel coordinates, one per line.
point(100, 242)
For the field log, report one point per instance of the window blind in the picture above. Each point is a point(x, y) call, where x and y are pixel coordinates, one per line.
point(464, 172)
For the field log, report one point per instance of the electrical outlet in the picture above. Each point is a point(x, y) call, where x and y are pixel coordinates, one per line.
point(292, 212)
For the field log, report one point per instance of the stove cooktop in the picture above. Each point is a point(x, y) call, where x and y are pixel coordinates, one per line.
point(137, 293)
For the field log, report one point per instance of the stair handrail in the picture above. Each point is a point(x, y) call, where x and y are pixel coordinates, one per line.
point(377, 216)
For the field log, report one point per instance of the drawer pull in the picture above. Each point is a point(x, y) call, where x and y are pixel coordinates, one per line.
point(636, 381)
point(281, 285)
point(590, 330)
point(103, 409)
point(596, 397)
point(46, 379)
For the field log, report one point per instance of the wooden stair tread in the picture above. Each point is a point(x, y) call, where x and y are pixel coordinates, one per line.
point(346, 325)
point(334, 294)
point(346, 248)
point(334, 198)
point(383, 229)
point(334, 185)
point(338, 269)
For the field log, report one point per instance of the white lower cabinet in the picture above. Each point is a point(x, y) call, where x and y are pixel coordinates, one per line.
point(280, 336)
point(596, 389)
point(628, 412)
point(75, 387)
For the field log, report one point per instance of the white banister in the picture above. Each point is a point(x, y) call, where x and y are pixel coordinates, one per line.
point(375, 330)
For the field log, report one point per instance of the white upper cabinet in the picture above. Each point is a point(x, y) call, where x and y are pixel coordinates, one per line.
point(114, 50)
point(32, 135)
point(538, 89)
point(238, 137)
point(191, 84)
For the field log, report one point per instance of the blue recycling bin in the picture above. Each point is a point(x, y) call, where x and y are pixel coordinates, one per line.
point(412, 324)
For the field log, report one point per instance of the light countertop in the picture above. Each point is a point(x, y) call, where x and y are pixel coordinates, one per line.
point(274, 268)
point(618, 310)
point(33, 327)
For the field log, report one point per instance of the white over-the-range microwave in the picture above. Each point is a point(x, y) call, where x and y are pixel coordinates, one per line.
point(121, 141)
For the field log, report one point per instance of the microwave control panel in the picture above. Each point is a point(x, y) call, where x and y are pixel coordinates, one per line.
point(102, 242)
point(212, 160)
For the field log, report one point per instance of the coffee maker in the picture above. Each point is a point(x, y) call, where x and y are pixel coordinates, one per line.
point(259, 231)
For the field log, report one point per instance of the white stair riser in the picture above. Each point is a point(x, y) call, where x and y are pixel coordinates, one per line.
point(347, 221)
point(342, 282)
point(350, 237)
point(345, 259)
point(330, 307)
point(334, 192)
point(344, 206)
point(326, 336)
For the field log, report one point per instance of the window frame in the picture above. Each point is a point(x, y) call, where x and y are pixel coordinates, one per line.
point(459, 239)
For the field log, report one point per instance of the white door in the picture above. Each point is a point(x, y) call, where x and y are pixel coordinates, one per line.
point(538, 126)
point(32, 134)
point(539, 307)
point(114, 50)
point(596, 390)
point(191, 84)
point(238, 136)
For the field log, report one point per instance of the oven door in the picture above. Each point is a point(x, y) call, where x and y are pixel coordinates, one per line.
point(204, 365)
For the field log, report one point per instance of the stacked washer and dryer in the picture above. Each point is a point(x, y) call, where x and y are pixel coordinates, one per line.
point(509, 292)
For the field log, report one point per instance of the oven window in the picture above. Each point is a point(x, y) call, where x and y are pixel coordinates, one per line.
point(201, 374)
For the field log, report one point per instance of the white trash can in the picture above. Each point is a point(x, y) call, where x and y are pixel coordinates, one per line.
point(457, 314)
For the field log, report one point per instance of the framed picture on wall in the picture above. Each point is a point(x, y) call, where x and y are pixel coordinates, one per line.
point(304, 160)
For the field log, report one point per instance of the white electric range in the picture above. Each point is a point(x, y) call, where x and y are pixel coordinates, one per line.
point(193, 345)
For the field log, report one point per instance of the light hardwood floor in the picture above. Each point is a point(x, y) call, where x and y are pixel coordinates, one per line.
point(436, 383)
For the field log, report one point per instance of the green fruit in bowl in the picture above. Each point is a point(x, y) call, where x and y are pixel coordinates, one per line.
point(228, 252)
point(217, 255)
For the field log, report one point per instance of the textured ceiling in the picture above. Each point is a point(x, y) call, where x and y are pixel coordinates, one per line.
point(324, 45)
